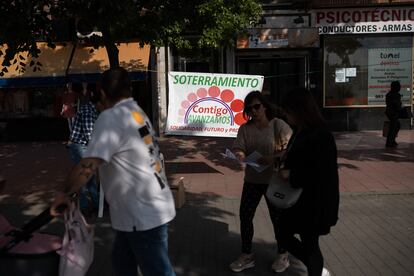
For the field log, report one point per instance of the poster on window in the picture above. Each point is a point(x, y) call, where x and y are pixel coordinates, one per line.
point(384, 66)
point(205, 104)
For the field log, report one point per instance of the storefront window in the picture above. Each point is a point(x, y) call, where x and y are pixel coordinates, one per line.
point(197, 60)
point(358, 69)
point(30, 102)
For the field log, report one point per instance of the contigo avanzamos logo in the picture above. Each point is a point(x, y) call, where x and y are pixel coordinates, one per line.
point(212, 106)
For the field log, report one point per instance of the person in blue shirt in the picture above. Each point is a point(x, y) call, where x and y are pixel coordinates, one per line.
point(79, 138)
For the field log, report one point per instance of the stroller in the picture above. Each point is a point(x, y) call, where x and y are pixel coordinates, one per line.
point(24, 252)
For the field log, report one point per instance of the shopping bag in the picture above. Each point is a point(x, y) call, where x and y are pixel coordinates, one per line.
point(405, 113)
point(280, 194)
point(76, 254)
point(385, 128)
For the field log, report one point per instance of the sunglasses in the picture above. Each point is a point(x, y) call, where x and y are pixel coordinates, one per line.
point(254, 106)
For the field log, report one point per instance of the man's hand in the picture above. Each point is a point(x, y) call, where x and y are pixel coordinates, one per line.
point(60, 199)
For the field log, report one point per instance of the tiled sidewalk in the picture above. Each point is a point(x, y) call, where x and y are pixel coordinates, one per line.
point(34, 170)
point(365, 165)
point(373, 237)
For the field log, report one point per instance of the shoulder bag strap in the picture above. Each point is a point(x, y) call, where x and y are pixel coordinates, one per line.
point(277, 139)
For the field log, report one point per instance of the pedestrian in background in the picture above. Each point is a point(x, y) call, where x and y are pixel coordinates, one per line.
point(392, 110)
point(133, 179)
point(70, 103)
point(311, 164)
point(268, 136)
point(78, 141)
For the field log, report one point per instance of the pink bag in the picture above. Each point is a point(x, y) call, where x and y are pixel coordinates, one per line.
point(77, 251)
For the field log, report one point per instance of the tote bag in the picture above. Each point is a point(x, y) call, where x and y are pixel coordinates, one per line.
point(385, 128)
point(405, 113)
point(76, 254)
point(279, 192)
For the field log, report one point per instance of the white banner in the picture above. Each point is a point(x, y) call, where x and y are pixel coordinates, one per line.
point(387, 65)
point(205, 104)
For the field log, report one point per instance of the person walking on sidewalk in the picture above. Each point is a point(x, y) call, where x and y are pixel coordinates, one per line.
point(311, 164)
point(392, 110)
point(133, 179)
point(78, 141)
point(258, 134)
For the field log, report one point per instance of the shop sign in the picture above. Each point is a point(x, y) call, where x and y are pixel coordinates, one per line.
point(280, 31)
point(204, 104)
point(358, 21)
point(387, 65)
point(278, 38)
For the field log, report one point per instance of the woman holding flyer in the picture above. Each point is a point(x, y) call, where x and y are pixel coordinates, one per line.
point(266, 137)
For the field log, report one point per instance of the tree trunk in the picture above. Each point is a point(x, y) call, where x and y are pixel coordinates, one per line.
point(111, 49)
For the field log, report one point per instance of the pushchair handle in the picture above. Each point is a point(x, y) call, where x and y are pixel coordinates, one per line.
point(44, 218)
point(26, 231)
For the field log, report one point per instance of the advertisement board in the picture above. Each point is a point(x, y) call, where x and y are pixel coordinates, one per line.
point(205, 104)
point(366, 20)
point(387, 65)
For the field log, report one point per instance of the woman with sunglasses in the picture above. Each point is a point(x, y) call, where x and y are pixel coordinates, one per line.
point(311, 164)
point(268, 136)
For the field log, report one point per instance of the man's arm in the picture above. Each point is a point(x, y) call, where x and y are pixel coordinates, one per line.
point(78, 177)
point(81, 173)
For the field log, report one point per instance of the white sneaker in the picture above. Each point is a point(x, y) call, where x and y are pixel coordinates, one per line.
point(325, 272)
point(281, 263)
point(243, 262)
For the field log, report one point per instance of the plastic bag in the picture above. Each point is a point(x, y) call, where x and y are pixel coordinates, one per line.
point(76, 254)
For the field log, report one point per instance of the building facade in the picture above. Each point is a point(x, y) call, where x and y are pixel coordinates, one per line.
point(364, 49)
point(346, 52)
point(36, 103)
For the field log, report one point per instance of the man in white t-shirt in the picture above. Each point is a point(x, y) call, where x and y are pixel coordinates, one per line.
point(124, 148)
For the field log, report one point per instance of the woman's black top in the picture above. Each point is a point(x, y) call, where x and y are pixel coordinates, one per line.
point(312, 161)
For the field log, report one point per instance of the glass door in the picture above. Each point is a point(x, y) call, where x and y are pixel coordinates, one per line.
point(281, 74)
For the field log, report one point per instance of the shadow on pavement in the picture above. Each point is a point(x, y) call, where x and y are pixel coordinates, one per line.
point(186, 148)
point(203, 238)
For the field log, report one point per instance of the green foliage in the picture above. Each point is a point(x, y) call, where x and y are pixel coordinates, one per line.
point(184, 24)
point(25, 21)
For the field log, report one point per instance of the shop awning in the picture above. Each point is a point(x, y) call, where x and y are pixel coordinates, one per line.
point(86, 65)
